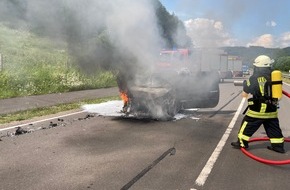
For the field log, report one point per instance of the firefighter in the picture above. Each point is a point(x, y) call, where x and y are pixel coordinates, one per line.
point(262, 107)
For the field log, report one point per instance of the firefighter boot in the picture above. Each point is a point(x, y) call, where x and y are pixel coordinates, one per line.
point(277, 147)
point(238, 145)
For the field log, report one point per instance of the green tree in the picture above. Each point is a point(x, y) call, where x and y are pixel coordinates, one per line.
point(282, 63)
point(172, 29)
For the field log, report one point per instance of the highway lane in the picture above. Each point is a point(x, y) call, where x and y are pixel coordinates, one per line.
point(284, 110)
point(236, 171)
point(83, 152)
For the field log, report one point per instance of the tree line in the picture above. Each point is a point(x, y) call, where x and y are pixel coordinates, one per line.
point(248, 55)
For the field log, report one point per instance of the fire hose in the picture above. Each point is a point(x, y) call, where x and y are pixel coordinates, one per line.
point(286, 93)
point(262, 160)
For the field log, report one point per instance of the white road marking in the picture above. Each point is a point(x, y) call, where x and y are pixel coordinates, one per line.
point(286, 84)
point(39, 121)
point(200, 181)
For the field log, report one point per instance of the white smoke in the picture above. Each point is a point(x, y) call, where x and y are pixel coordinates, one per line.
point(131, 25)
point(133, 28)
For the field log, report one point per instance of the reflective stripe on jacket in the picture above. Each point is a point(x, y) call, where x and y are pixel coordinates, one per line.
point(261, 104)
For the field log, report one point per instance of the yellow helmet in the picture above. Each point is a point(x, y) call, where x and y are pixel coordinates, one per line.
point(263, 61)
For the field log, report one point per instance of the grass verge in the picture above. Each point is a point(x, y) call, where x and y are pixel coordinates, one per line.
point(34, 65)
point(38, 112)
point(286, 80)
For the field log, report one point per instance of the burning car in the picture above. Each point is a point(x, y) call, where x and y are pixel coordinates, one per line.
point(175, 84)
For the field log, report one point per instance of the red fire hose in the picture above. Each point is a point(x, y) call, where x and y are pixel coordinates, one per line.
point(262, 160)
point(286, 93)
point(265, 161)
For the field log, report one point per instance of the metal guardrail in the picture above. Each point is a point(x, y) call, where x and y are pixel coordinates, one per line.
point(286, 75)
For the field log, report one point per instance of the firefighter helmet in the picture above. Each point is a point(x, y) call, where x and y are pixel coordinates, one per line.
point(263, 61)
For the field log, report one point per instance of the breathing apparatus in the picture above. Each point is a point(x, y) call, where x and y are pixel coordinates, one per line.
point(275, 90)
point(276, 81)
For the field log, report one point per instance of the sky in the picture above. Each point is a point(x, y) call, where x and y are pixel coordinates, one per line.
point(234, 22)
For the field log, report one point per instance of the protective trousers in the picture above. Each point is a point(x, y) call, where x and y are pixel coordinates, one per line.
point(250, 125)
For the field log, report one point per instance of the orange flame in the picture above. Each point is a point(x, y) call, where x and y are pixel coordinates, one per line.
point(124, 97)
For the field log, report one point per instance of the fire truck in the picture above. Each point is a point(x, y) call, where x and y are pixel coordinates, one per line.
point(181, 79)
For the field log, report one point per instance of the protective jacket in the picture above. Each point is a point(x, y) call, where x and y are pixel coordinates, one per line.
point(261, 105)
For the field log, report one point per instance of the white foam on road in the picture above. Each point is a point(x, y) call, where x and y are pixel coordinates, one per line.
point(110, 108)
point(113, 108)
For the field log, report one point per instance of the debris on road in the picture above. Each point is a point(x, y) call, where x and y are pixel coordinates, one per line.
point(20, 131)
point(51, 124)
point(31, 128)
point(88, 116)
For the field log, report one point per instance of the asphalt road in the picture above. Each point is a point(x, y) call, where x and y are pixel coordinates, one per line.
point(84, 151)
point(30, 102)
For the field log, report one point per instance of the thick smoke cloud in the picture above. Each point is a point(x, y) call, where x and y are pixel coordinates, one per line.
point(132, 28)
point(124, 36)
point(100, 33)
